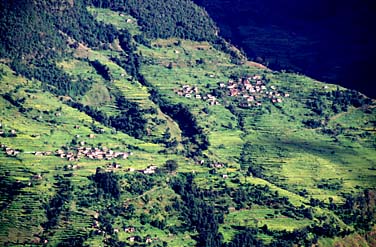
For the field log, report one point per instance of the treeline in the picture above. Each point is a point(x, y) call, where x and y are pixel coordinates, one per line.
point(53, 78)
point(165, 19)
point(102, 69)
point(18, 102)
point(22, 28)
point(75, 21)
point(197, 140)
point(337, 101)
point(36, 29)
point(130, 120)
point(130, 61)
point(9, 190)
point(325, 103)
point(198, 214)
point(59, 203)
point(34, 36)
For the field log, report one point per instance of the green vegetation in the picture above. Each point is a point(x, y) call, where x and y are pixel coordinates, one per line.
point(165, 19)
point(170, 142)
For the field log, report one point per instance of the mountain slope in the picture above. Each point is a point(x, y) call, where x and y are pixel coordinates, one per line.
point(172, 144)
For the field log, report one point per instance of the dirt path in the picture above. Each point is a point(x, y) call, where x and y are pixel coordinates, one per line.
point(257, 65)
point(365, 107)
point(333, 118)
point(137, 197)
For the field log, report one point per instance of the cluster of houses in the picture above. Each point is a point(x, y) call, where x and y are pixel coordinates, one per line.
point(130, 229)
point(91, 153)
point(148, 240)
point(81, 152)
point(149, 170)
point(46, 153)
point(217, 165)
point(188, 91)
point(251, 91)
point(9, 151)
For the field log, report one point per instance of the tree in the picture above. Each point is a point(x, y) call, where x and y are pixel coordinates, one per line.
point(170, 65)
point(166, 135)
point(171, 165)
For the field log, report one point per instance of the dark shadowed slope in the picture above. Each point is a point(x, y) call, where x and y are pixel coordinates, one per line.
point(332, 41)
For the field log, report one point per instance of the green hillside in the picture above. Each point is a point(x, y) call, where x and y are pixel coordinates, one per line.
point(146, 137)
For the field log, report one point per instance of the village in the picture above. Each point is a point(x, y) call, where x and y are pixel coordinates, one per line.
point(102, 153)
point(251, 91)
point(74, 154)
point(193, 92)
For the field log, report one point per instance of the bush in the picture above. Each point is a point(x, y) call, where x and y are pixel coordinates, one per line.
point(171, 165)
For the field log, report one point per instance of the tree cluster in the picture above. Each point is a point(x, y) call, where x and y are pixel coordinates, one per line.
point(35, 36)
point(337, 101)
point(57, 204)
point(139, 183)
point(165, 19)
point(107, 183)
point(130, 120)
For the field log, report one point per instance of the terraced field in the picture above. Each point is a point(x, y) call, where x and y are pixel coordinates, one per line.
point(280, 142)
point(267, 166)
